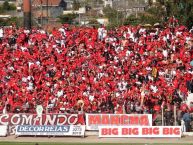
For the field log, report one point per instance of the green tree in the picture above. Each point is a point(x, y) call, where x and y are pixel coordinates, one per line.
point(67, 18)
point(164, 9)
point(2, 22)
point(76, 5)
point(7, 7)
point(155, 14)
point(1, 9)
point(10, 21)
point(181, 9)
point(115, 17)
point(12, 7)
point(132, 20)
point(94, 22)
point(85, 3)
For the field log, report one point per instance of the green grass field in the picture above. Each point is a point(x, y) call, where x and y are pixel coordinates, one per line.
point(23, 143)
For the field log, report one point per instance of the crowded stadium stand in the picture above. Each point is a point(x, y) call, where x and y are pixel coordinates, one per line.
point(74, 70)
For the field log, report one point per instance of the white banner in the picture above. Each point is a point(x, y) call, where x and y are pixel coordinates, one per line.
point(93, 121)
point(140, 131)
point(50, 130)
point(3, 130)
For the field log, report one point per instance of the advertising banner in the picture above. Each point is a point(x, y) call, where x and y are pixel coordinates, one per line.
point(3, 130)
point(93, 121)
point(50, 130)
point(140, 131)
point(13, 120)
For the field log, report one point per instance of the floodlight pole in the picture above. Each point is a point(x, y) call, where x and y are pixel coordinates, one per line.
point(27, 13)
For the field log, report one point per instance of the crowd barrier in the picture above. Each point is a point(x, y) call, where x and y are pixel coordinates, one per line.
point(106, 125)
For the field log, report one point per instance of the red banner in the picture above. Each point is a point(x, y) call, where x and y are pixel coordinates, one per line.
point(93, 121)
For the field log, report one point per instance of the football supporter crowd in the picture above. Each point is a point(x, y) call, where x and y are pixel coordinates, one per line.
point(130, 69)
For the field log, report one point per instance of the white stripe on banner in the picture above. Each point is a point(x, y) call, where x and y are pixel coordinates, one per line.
point(50, 130)
point(140, 131)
